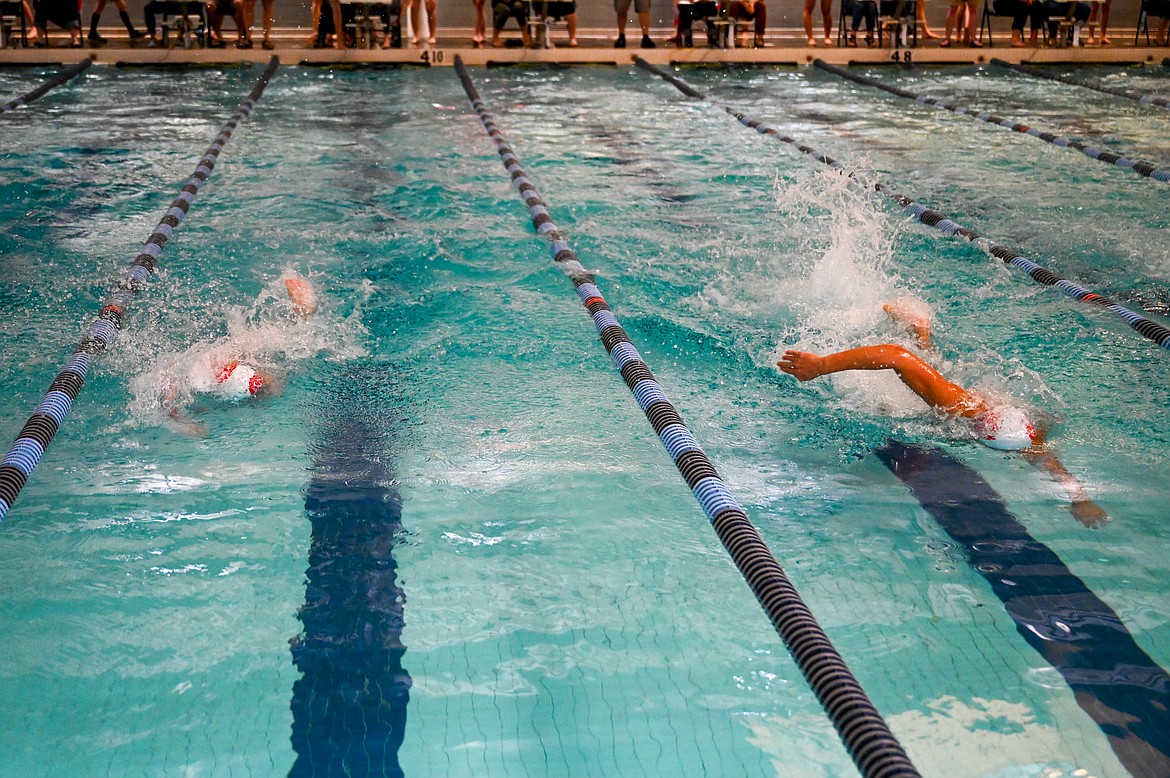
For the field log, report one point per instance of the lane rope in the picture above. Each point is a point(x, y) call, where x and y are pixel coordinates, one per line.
point(42, 426)
point(1142, 168)
point(1143, 325)
point(867, 737)
point(52, 83)
point(1161, 102)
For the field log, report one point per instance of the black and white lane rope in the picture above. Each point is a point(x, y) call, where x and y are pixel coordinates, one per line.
point(52, 83)
point(1141, 168)
point(42, 426)
point(1143, 325)
point(866, 736)
point(1139, 97)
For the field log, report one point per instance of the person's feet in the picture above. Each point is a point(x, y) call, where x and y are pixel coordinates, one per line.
point(812, 42)
point(95, 38)
point(620, 43)
point(646, 42)
point(801, 365)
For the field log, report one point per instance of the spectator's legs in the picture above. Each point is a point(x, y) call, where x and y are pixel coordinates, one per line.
point(93, 36)
point(806, 17)
point(478, 37)
point(571, 28)
point(338, 27)
point(431, 23)
point(922, 25)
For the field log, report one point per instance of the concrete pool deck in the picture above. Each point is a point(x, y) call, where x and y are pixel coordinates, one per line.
point(785, 47)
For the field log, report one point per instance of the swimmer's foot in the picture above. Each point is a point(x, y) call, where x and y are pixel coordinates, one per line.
point(915, 320)
point(801, 365)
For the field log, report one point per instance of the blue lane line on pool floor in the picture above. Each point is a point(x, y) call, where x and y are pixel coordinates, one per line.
point(1035, 72)
point(40, 429)
point(52, 83)
point(1141, 168)
point(349, 706)
point(1114, 681)
point(866, 736)
point(1042, 275)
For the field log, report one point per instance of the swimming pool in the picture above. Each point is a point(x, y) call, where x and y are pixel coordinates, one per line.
point(563, 608)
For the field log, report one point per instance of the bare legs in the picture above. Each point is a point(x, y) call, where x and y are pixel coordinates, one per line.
point(827, 17)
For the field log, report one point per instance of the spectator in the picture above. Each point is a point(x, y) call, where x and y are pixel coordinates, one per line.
point(502, 11)
point(1157, 9)
point(1104, 39)
point(642, 9)
point(961, 21)
point(320, 31)
point(250, 20)
point(866, 9)
point(752, 10)
point(1021, 11)
point(216, 11)
point(410, 15)
point(479, 37)
point(95, 37)
point(827, 17)
point(66, 14)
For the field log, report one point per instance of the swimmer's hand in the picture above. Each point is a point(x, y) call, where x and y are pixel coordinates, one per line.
point(302, 294)
point(801, 365)
point(1089, 513)
point(185, 426)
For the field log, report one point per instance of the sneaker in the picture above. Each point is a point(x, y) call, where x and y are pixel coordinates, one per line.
point(137, 35)
point(94, 37)
point(620, 43)
point(646, 42)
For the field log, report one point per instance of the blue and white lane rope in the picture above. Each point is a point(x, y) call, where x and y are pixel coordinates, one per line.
point(1139, 97)
point(1143, 325)
point(1141, 168)
point(42, 426)
point(866, 736)
point(52, 83)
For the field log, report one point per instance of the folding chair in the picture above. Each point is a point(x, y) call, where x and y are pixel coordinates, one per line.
point(1143, 24)
point(189, 22)
point(11, 20)
point(900, 17)
point(985, 20)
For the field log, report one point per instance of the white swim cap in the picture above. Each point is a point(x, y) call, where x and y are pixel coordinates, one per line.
point(238, 382)
point(1007, 429)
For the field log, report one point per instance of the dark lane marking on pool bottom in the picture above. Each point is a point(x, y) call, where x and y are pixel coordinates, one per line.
point(349, 705)
point(1112, 678)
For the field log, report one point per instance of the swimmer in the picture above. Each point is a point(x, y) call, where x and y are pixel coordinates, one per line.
point(225, 372)
point(1001, 427)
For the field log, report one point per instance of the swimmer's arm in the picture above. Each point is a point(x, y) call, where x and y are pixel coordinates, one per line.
point(180, 422)
point(1083, 509)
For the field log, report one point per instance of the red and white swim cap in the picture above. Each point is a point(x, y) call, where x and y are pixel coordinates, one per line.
point(237, 382)
point(1007, 429)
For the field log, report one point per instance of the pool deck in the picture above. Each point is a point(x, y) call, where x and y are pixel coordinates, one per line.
point(785, 47)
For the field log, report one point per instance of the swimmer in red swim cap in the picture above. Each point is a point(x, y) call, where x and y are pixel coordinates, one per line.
point(1001, 427)
point(221, 372)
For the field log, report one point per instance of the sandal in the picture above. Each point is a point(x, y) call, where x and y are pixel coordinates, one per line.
point(945, 44)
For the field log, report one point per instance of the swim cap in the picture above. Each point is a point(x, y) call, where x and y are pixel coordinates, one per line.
point(237, 382)
point(1006, 429)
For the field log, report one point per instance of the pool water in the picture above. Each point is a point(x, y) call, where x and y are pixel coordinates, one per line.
point(564, 607)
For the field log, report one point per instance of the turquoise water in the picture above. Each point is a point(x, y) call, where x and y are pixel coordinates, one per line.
point(567, 610)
